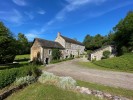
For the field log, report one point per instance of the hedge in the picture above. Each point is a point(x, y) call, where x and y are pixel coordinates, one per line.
point(8, 76)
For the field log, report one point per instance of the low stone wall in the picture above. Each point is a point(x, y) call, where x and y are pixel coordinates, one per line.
point(10, 91)
point(99, 94)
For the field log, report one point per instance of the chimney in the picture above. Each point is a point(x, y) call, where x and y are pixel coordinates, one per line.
point(59, 33)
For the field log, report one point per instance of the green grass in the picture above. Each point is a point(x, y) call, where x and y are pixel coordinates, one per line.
point(111, 90)
point(39, 91)
point(122, 63)
point(26, 56)
point(91, 65)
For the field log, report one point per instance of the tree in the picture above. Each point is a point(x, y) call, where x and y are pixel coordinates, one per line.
point(7, 45)
point(95, 42)
point(23, 44)
point(124, 33)
point(56, 54)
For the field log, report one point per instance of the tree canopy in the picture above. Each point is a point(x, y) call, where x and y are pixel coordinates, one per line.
point(7, 45)
point(124, 34)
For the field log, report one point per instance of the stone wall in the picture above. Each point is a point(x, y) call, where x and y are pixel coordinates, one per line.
point(35, 50)
point(45, 54)
point(98, 54)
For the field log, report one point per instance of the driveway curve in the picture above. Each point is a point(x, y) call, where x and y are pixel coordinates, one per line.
point(109, 78)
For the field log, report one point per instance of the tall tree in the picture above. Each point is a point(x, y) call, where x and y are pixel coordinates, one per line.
point(124, 34)
point(23, 44)
point(7, 45)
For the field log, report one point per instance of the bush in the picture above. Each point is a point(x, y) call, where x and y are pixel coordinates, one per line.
point(28, 79)
point(106, 54)
point(8, 76)
point(66, 83)
point(61, 82)
point(56, 54)
point(48, 78)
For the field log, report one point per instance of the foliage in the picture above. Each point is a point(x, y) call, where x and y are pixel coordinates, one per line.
point(67, 83)
point(7, 45)
point(124, 34)
point(23, 44)
point(48, 78)
point(97, 41)
point(8, 76)
point(56, 54)
point(39, 91)
point(60, 60)
point(107, 89)
point(106, 54)
point(122, 63)
point(22, 80)
point(62, 82)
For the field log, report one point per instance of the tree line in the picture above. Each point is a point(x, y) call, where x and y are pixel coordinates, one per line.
point(121, 36)
point(11, 46)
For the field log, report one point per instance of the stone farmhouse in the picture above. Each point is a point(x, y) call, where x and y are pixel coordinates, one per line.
point(42, 49)
point(98, 54)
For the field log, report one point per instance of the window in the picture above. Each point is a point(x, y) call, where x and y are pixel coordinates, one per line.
point(49, 52)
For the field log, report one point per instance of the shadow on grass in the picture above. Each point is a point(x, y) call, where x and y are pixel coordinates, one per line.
point(9, 66)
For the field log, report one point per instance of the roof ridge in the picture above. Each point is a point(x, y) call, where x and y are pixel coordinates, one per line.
point(71, 40)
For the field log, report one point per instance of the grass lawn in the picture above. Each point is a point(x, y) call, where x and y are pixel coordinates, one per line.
point(111, 90)
point(39, 91)
point(26, 56)
point(123, 63)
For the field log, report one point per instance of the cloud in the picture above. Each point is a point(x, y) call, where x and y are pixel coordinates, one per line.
point(71, 6)
point(100, 13)
point(20, 2)
point(31, 36)
point(42, 12)
point(29, 14)
point(13, 16)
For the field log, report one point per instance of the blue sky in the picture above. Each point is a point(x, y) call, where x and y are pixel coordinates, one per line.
point(73, 18)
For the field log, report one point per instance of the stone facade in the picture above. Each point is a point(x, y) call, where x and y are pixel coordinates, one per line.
point(72, 47)
point(42, 49)
point(98, 54)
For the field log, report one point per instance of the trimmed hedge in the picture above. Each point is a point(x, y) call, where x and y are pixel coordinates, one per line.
point(8, 76)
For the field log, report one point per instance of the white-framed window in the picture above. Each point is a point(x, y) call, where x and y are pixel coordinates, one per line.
point(49, 52)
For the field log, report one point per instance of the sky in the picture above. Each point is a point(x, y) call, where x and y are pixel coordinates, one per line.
point(73, 18)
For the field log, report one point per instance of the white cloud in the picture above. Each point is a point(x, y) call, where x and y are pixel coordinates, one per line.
point(42, 12)
point(71, 6)
point(20, 2)
point(13, 16)
point(29, 14)
point(31, 36)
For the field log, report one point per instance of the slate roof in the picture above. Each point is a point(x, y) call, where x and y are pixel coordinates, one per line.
point(49, 44)
point(69, 40)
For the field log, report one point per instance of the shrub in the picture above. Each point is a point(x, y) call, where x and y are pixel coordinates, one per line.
point(66, 83)
point(48, 78)
point(8, 76)
point(56, 54)
point(61, 82)
point(106, 54)
point(28, 79)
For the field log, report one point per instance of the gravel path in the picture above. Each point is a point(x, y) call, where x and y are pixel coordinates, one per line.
point(109, 78)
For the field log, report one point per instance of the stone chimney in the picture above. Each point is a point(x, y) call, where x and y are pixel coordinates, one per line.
point(59, 34)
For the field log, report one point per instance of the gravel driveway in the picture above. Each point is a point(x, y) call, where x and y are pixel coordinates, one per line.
point(109, 78)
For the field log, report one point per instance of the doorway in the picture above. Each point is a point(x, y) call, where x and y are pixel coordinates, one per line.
point(47, 60)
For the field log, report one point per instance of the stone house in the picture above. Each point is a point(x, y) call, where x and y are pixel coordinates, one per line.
point(98, 54)
point(42, 49)
point(72, 47)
